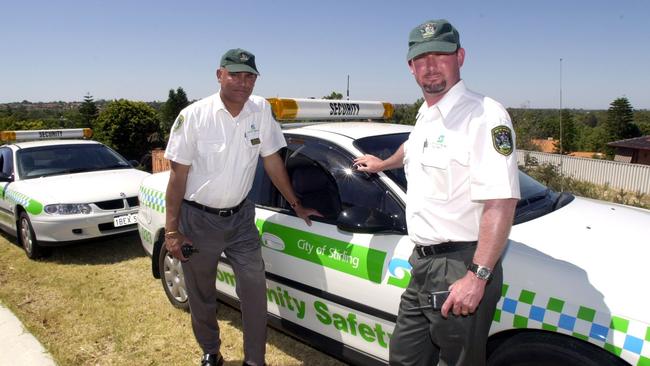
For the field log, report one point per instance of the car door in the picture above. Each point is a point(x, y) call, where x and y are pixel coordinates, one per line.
point(7, 219)
point(342, 284)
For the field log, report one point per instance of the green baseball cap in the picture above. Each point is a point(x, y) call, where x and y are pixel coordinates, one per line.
point(433, 36)
point(238, 60)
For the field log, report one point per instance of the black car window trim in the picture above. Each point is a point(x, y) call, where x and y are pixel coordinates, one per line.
point(297, 139)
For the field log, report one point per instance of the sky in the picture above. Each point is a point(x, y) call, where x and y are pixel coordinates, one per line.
point(524, 54)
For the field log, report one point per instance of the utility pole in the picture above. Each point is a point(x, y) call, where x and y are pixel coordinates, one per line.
point(561, 150)
point(348, 92)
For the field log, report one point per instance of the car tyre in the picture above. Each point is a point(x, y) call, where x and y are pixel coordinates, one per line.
point(173, 280)
point(548, 349)
point(28, 240)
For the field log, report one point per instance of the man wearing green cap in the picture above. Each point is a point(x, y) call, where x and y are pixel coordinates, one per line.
point(213, 148)
point(463, 188)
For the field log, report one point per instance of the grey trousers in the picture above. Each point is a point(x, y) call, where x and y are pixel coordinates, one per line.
point(424, 337)
point(238, 237)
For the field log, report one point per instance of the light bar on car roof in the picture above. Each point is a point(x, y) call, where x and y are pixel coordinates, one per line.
point(294, 109)
point(65, 133)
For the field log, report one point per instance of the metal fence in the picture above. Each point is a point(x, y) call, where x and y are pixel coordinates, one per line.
point(630, 177)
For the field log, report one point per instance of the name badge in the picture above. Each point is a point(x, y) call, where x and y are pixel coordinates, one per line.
point(253, 136)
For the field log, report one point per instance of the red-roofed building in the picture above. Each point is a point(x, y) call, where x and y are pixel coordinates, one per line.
point(635, 150)
point(545, 145)
point(548, 146)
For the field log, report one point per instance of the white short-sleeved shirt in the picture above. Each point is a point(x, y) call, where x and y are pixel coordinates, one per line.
point(455, 159)
point(221, 149)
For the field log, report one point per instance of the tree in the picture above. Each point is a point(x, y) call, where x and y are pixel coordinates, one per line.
point(594, 139)
point(526, 124)
point(569, 136)
point(620, 122)
point(405, 114)
point(590, 120)
point(88, 111)
point(176, 101)
point(334, 95)
point(125, 126)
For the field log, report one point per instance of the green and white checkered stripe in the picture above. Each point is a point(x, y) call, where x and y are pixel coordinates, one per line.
point(626, 338)
point(153, 199)
point(32, 206)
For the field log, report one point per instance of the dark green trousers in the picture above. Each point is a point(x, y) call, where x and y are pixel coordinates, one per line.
point(424, 337)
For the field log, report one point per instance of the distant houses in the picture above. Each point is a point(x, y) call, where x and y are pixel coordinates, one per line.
point(548, 146)
point(635, 150)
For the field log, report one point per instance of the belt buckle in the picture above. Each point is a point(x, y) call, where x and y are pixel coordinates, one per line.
point(420, 250)
point(223, 213)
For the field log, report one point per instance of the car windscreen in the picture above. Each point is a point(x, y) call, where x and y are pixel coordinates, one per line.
point(536, 199)
point(44, 161)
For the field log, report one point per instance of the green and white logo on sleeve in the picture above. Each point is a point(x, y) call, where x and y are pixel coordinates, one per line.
point(32, 206)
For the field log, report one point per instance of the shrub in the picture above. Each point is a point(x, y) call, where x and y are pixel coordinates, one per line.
point(126, 126)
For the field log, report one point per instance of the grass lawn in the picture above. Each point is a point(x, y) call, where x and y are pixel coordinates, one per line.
point(97, 304)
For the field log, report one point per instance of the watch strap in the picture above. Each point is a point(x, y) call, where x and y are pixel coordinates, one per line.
point(481, 272)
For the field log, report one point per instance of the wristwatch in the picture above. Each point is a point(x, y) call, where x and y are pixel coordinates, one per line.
point(481, 272)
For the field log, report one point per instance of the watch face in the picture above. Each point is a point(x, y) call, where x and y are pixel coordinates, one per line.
point(483, 272)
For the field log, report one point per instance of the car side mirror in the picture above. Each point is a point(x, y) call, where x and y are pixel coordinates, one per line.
point(366, 220)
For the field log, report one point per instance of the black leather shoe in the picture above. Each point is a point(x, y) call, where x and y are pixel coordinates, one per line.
point(248, 364)
point(212, 360)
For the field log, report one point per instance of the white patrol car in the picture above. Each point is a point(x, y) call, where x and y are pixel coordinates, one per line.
point(56, 191)
point(573, 291)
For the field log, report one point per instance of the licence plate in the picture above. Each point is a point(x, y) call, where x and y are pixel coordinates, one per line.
point(124, 220)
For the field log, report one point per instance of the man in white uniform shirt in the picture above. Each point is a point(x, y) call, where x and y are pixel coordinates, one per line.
point(213, 148)
point(462, 192)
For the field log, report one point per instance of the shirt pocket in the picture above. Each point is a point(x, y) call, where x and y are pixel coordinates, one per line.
point(435, 165)
point(251, 150)
point(211, 151)
point(459, 155)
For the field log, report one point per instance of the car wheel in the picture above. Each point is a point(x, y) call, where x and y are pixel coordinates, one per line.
point(28, 239)
point(548, 349)
point(173, 280)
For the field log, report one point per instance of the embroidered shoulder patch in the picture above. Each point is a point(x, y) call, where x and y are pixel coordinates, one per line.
point(502, 140)
point(179, 122)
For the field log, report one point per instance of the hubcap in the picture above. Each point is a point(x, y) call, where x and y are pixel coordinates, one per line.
point(174, 278)
point(26, 235)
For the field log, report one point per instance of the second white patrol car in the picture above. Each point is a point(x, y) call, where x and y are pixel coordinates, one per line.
point(55, 191)
point(574, 288)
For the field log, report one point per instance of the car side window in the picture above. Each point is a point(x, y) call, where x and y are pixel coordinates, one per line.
point(322, 176)
point(263, 192)
point(6, 162)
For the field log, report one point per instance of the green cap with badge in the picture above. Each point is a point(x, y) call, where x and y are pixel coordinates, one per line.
point(239, 60)
point(433, 36)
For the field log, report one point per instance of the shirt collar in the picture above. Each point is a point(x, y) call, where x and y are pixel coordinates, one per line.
point(249, 107)
point(448, 101)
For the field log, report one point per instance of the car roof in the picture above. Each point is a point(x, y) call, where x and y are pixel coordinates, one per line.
point(353, 130)
point(28, 144)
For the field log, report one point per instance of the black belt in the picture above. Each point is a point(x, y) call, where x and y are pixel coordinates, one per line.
point(223, 212)
point(442, 248)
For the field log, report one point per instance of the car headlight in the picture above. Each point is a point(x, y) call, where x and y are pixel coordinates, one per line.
point(68, 209)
